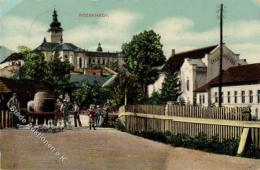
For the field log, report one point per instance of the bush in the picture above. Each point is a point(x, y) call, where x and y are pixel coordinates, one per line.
point(214, 145)
point(252, 152)
point(200, 142)
point(230, 146)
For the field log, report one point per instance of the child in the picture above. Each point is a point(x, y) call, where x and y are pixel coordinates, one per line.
point(91, 115)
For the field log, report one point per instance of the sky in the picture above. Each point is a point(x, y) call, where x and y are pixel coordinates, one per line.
point(182, 24)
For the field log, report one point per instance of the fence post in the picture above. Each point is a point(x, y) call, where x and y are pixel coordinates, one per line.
point(1, 119)
point(122, 109)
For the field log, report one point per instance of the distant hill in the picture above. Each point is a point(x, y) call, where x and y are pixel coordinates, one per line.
point(4, 52)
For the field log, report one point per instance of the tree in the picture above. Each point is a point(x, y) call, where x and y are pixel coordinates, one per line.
point(90, 94)
point(55, 73)
point(34, 67)
point(170, 88)
point(58, 75)
point(142, 55)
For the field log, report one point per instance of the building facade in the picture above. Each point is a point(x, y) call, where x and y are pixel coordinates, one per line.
point(195, 68)
point(78, 57)
point(240, 88)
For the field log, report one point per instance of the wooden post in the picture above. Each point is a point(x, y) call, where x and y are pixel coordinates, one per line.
point(243, 140)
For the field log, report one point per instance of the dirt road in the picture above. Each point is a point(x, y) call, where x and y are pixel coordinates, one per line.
point(106, 149)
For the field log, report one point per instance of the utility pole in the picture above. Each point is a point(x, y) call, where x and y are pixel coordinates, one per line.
point(221, 57)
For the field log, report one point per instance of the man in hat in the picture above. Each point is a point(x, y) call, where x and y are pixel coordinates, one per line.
point(64, 108)
point(98, 115)
point(14, 103)
point(76, 111)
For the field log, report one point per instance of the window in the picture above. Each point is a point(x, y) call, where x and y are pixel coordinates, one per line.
point(200, 99)
point(228, 96)
point(216, 97)
point(251, 98)
point(66, 57)
point(203, 99)
point(243, 96)
point(188, 85)
point(80, 62)
point(258, 96)
point(235, 96)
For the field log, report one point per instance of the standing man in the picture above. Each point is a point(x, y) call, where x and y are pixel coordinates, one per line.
point(76, 112)
point(14, 103)
point(105, 116)
point(64, 108)
point(98, 115)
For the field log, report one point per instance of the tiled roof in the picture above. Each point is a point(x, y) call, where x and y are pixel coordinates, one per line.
point(47, 46)
point(91, 79)
point(176, 60)
point(13, 57)
point(67, 47)
point(243, 74)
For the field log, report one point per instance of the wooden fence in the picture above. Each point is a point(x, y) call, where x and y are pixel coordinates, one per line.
point(5, 119)
point(225, 122)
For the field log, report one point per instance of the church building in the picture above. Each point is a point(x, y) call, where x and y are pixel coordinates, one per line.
point(78, 57)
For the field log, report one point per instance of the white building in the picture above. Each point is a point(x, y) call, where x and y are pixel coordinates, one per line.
point(240, 87)
point(195, 68)
point(77, 56)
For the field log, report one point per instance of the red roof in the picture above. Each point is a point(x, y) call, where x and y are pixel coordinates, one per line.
point(176, 60)
point(243, 74)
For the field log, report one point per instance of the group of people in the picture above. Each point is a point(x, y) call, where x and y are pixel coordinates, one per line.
point(97, 116)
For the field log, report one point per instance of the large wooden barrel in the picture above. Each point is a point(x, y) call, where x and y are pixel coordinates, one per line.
point(30, 106)
point(44, 101)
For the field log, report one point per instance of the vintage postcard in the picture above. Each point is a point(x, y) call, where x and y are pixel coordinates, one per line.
point(129, 84)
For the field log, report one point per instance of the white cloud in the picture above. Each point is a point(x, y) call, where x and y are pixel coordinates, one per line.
point(250, 51)
point(112, 31)
point(21, 31)
point(177, 33)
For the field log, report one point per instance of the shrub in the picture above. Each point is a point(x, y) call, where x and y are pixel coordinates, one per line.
point(230, 146)
point(252, 152)
point(200, 142)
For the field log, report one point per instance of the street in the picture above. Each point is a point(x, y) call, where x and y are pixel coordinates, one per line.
point(105, 149)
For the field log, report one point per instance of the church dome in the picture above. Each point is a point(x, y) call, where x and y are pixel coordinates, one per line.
point(55, 25)
point(99, 48)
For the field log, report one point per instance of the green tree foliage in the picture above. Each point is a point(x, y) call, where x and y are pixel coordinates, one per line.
point(170, 88)
point(34, 67)
point(90, 94)
point(55, 73)
point(142, 55)
point(126, 84)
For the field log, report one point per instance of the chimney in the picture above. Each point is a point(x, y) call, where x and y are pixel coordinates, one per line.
point(173, 52)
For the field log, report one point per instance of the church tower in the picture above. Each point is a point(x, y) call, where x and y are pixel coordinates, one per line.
point(55, 30)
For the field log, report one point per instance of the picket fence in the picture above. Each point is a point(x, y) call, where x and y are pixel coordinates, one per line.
point(226, 122)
